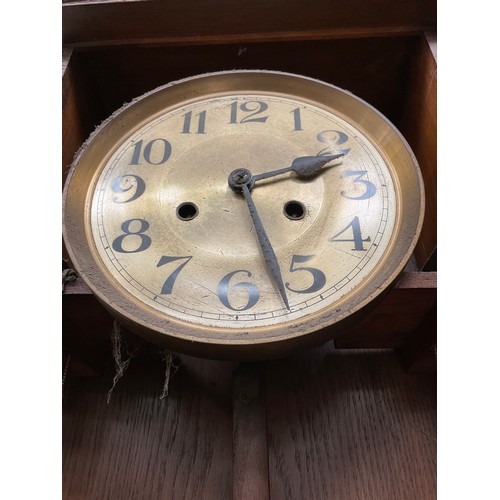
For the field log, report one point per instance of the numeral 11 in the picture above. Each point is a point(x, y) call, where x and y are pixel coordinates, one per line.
point(186, 129)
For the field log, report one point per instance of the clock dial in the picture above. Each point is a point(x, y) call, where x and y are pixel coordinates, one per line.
point(171, 231)
point(180, 253)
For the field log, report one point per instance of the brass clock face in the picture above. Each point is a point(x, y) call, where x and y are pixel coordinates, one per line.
point(242, 213)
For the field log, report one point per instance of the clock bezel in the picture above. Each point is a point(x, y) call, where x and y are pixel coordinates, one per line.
point(258, 342)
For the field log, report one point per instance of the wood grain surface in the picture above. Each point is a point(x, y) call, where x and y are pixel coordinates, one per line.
point(396, 315)
point(140, 447)
point(340, 425)
point(250, 455)
point(190, 21)
point(347, 425)
point(332, 424)
point(419, 126)
point(375, 69)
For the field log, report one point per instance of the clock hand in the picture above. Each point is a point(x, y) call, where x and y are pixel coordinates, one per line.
point(267, 249)
point(241, 182)
point(304, 166)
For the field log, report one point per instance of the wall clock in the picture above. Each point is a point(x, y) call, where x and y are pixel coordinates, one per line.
point(242, 214)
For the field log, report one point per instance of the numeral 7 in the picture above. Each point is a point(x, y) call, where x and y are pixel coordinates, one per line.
point(169, 282)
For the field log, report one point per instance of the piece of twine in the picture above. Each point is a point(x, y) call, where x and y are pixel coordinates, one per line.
point(123, 354)
point(170, 364)
point(68, 276)
point(65, 373)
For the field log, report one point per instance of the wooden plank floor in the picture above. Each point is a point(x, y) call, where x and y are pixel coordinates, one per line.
point(341, 424)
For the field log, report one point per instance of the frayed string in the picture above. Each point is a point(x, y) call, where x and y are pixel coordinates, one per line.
point(169, 358)
point(65, 373)
point(68, 276)
point(123, 355)
point(120, 349)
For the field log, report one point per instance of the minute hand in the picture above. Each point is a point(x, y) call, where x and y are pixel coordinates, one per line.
point(304, 166)
point(265, 244)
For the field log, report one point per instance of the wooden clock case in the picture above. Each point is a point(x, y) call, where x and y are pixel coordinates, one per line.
point(300, 410)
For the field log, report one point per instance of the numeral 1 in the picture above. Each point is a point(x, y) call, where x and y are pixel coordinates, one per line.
point(297, 120)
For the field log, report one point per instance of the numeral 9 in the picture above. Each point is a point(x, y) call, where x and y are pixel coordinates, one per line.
point(125, 183)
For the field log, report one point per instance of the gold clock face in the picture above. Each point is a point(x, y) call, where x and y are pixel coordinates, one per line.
point(155, 225)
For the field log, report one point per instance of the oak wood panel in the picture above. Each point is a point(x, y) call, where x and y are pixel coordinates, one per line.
point(81, 345)
point(250, 462)
point(80, 108)
point(160, 21)
point(340, 425)
point(419, 352)
point(349, 425)
point(73, 129)
point(396, 315)
point(419, 126)
point(84, 317)
point(376, 70)
point(389, 324)
point(140, 447)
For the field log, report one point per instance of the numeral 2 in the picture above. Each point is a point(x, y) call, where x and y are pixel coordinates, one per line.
point(333, 138)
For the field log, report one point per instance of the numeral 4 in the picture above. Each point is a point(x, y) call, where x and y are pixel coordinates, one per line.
point(356, 232)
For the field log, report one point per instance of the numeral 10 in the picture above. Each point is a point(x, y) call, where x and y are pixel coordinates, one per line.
point(155, 152)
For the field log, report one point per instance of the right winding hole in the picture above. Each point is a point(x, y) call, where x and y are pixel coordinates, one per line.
point(294, 210)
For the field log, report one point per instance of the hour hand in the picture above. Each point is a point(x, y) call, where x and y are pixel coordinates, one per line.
point(303, 166)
